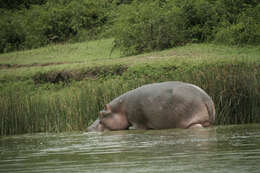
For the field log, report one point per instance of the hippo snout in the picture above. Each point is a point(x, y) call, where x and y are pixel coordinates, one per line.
point(94, 126)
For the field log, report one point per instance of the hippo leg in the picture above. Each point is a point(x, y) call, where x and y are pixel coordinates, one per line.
point(132, 128)
point(199, 119)
point(138, 126)
point(195, 126)
point(200, 125)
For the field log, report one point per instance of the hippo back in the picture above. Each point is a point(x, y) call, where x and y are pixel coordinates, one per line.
point(164, 105)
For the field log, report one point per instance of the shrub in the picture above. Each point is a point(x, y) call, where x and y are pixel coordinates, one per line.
point(147, 26)
point(230, 10)
point(11, 32)
point(159, 24)
point(14, 4)
point(55, 21)
point(138, 25)
point(245, 31)
point(200, 17)
point(155, 25)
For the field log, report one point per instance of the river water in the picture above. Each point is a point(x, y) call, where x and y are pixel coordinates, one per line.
point(230, 149)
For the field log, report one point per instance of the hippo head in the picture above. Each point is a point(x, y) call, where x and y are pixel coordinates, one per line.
point(96, 126)
point(109, 120)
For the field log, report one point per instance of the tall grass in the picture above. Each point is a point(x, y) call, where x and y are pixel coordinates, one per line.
point(71, 109)
point(234, 89)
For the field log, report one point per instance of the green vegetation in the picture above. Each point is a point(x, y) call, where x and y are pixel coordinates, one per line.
point(51, 22)
point(137, 25)
point(155, 25)
point(81, 61)
point(65, 97)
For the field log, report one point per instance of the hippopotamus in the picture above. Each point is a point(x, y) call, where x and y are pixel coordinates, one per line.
point(163, 105)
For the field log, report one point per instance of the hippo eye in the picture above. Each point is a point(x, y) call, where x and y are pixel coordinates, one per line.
point(104, 114)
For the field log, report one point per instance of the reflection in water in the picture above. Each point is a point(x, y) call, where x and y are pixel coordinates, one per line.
point(220, 149)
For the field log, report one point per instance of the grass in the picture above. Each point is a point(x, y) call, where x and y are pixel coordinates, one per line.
point(99, 54)
point(77, 52)
point(62, 87)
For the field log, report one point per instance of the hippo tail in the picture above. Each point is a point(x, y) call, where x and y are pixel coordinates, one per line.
point(211, 110)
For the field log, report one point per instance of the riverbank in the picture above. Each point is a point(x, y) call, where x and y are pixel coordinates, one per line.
point(62, 87)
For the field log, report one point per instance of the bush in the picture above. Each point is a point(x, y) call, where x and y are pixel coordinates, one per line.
point(55, 21)
point(159, 24)
point(138, 25)
point(66, 21)
point(201, 18)
point(11, 32)
point(14, 4)
point(245, 31)
point(147, 26)
point(155, 25)
point(230, 10)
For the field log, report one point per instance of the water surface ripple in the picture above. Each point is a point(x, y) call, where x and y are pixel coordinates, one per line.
point(217, 149)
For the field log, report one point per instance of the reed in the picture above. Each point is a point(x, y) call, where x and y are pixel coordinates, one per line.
point(233, 87)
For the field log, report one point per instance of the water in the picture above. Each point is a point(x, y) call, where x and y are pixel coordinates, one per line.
point(218, 149)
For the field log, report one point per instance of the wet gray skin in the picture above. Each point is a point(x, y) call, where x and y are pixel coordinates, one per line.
point(157, 106)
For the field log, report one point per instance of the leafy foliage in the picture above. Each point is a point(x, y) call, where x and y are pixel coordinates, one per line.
point(55, 21)
point(137, 25)
point(14, 4)
point(245, 31)
point(156, 25)
point(148, 26)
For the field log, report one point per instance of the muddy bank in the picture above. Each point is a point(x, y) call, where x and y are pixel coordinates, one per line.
point(79, 74)
point(7, 66)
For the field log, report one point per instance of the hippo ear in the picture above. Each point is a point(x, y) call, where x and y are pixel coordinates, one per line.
point(100, 115)
point(108, 108)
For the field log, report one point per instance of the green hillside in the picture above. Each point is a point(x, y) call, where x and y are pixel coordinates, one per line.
point(62, 87)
